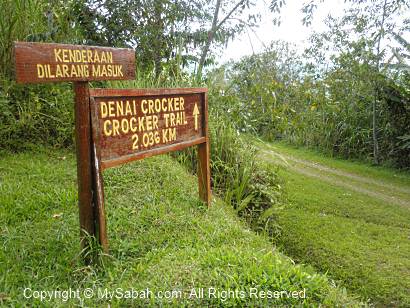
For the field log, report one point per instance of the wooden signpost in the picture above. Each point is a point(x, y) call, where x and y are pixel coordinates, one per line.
point(114, 126)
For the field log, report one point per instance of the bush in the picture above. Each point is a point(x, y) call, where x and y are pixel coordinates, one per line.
point(253, 191)
point(35, 114)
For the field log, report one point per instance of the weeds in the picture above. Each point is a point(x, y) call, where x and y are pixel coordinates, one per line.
point(253, 191)
point(160, 239)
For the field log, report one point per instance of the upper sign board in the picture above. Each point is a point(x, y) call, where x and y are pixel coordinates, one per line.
point(131, 124)
point(43, 62)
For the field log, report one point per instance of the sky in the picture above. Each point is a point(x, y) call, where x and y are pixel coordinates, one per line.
point(291, 28)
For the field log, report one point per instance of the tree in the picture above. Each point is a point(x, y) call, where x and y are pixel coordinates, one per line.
point(372, 19)
point(164, 32)
point(223, 29)
point(159, 30)
point(34, 20)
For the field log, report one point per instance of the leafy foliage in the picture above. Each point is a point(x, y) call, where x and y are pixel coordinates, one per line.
point(280, 95)
point(39, 113)
point(165, 33)
point(36, 114)
point(255, 192)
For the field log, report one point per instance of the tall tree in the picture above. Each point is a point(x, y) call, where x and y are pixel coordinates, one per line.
point(164, 31)
point(223, 28)
point(155, 28)
point(374, 20)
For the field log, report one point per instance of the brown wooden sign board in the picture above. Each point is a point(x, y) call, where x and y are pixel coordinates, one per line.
point(40, 62)
point(114, 126)
point(134, 124)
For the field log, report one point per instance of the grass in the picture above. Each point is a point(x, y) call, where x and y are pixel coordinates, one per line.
point(161, 238)
point(394, 176)
point(361, 241)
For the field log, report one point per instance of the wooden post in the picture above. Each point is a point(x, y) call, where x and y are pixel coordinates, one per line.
point(84, 163)
point(204, 172)
point(50, 62)
point(204, 178)
point(98, 184)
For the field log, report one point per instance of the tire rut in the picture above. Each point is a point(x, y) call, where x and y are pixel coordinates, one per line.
point(324, 173)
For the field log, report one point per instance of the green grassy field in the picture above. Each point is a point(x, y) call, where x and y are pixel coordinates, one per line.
point(161, 238)
point(349, 219)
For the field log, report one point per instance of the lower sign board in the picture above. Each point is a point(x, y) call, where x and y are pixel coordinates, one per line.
point(131, 124)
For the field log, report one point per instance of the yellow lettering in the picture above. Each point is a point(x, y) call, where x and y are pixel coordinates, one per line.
point(133, 121)
point(181, 103)
point(164, 135)
point(96, 71)
point(78, 56)
point(96, 57)
point(143, 107)
point(166, 117)
point(124, 126)
point(141, 127)
point(115, 127)
point(172, 134)
point(111, 109)
point(59, 73)
point(185, 121)
point(107, 130)
point(176, 103)
point(151, 106)
point(135, 142)
point(57, 55)
point(80, 70)
point(120, 108)
point(179, 118)
point(135, 107)
point(170, 107)
point(86, 71)
point(73, 71)
point(103, 71)
point(71, 55)
point(65, 70)
point(169, 134)
point(40, 71)
point(49, 72)
point(119, 70)
point(104, 110)
point(164, 106)
point(149, 122)
point(155, 122)
point(65, 55)
point(109, 57)
point(157, 105)
point(103, 58)
point(128, 110)
point(89, 56)
point(172, 119)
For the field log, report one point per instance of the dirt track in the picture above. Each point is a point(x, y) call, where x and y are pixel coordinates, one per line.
point(375, 188)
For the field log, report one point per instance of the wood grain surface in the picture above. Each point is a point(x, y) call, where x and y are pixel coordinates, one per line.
point(49, 62)
point(133, 124)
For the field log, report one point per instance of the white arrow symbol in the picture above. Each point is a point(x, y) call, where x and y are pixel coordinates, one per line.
point(195, 114)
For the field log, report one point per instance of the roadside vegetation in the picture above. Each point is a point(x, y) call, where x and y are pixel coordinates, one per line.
point(343, 224)
point(161, 238)
point(346, 96)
